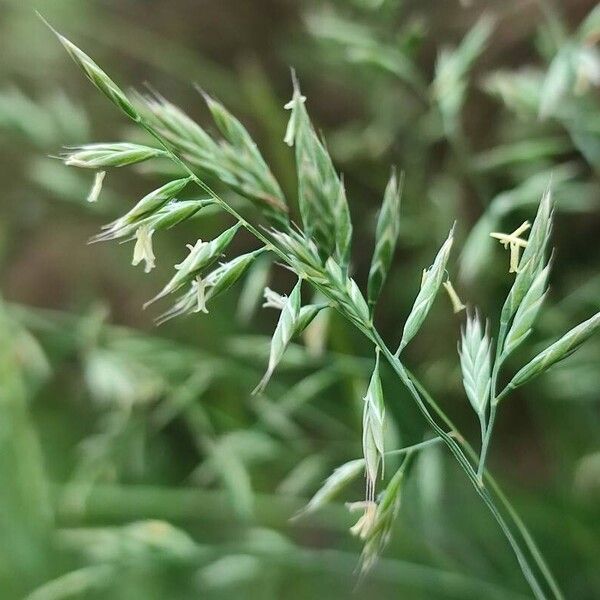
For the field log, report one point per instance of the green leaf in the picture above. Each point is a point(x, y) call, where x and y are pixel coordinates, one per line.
point(521, 152)
point(86, 580)
point(234, 474)
point(519, 90)
point(452, 66)
point(589, 30)
point(361, 46)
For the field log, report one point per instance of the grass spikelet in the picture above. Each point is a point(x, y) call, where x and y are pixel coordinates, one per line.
point(318, 183)
point(343, 228)
point(373, 431)
point(558, 351)
point(155, 200)
point(234, 160)
point(201, 255)
point(105, 155)
point(333, 485)
point(475, 363)
point(533, 258)
point(527, 312)
point(284, 331)
point(386, 237)
point(227, 274)
point(96, 75)
point(377, 527)
point(432, 280)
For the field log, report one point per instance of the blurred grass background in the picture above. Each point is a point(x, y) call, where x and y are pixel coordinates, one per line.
point(133, 461)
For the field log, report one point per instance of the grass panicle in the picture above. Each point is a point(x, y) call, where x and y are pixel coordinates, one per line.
point(319, 253)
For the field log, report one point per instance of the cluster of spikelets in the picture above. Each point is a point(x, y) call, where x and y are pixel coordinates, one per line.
point(480, 369)
point(318, 253)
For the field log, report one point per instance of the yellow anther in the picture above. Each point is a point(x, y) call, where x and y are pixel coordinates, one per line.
point(521, 229)
point(457, 304)
point(368, 519)
point(515, 243)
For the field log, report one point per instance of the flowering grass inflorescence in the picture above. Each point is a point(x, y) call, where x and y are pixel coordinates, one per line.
point(319, 254)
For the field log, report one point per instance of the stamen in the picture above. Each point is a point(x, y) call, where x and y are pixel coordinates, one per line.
point(457, 305)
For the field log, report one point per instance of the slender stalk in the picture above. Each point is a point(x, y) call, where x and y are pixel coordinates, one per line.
point(487, 438)
point(503, 394)
point(495, 487)
point(457, 452)
point(483, 427)
point(414, 447)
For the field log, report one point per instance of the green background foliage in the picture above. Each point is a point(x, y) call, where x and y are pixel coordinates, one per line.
point(134, 462)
